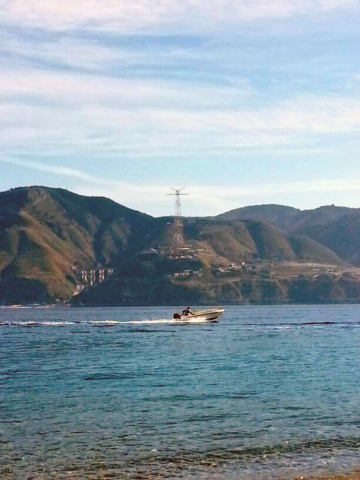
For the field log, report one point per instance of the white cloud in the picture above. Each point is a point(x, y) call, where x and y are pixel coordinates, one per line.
point(173, 16)
point(74, 89)
point(96, 115)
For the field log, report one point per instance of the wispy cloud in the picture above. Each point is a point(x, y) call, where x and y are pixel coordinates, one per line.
point(123, 16)
point(58, 170)
point(74, 89)
point(97, 115)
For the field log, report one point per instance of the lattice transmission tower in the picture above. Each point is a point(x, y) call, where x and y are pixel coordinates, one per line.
point(178, 237)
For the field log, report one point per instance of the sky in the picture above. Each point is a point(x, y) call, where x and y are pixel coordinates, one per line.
point(243, 102)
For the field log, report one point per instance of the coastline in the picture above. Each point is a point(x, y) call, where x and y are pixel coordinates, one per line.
point(67, 305)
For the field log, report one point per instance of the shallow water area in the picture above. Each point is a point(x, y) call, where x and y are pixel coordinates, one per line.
point(268, 392)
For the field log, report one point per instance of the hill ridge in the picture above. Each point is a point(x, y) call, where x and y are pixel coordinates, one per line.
point(49, 235)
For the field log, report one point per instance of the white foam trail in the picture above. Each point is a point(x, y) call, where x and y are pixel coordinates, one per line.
point(35, 323)
point(132, 322)
point(148, 322)
point(159, 321)
point(56, 323)
point(25, 323)
point(164, 321)
point(102, 321)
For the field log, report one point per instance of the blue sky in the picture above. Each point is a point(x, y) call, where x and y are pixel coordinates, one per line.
point(242, 101)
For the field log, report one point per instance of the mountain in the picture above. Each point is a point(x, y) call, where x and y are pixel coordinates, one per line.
point(236, 241)
point(318, 217)
point(142, 281)
point(277, 215)
point(341, 236)
point(337, 228)
point(46, 234)
point(288, 218)
point(49, 236)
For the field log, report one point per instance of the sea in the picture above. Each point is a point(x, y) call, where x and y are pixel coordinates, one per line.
point(268, 392)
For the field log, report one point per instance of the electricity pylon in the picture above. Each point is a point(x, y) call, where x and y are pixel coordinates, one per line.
point(178, 238)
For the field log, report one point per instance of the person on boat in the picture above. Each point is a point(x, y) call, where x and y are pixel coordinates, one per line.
point(187, 311)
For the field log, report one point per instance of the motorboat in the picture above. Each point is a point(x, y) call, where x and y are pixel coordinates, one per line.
point(199, 316)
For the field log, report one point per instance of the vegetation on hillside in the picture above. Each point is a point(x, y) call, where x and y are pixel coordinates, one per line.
point(49, 236)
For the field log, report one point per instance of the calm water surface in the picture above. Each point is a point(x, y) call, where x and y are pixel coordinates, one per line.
point(268, 392)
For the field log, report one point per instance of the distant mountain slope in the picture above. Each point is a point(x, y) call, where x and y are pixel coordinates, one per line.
point(218, 244)
point(318, 217)
point(277, 215)
point(235, 241)
point(45, 232)
point(288, 218)
point(341, 236)
point(48, 235)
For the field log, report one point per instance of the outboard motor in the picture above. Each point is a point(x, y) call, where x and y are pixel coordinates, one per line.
point(176, 316)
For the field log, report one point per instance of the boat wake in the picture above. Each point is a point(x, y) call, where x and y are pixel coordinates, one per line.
point(101, 323)
point(148, 321)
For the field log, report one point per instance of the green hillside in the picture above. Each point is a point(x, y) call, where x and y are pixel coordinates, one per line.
point(45, 234)
point(49, 236)
point(236, 241)
point(341, 236)
point(288, 218)
point(142, 281)
point(277, 215)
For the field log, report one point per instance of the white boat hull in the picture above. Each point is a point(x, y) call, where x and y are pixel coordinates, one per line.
point(200, 316)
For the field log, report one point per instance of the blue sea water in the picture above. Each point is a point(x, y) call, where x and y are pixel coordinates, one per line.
point(268, 392)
